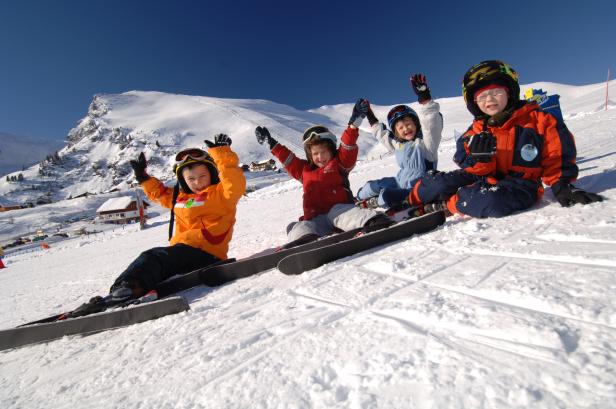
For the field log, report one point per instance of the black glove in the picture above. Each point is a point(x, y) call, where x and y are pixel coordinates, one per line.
point(568, 195)
point(219, 140)
point(420, 86)
point(482, 146)
point(360, 110)
point(371, 117)
point(139, 166)
point(263, 134)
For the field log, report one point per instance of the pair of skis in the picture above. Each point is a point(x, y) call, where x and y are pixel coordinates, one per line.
point(294, 260)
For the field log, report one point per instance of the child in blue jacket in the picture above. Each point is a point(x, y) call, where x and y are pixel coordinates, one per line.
point(414, 142)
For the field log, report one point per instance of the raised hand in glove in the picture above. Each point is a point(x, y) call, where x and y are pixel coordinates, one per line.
point(482, 146)
point(263, 135)
point(371, 117)
point(139, 166)
point(568, 195)
point(360, 110)
point(420, 87)
point(219, 140)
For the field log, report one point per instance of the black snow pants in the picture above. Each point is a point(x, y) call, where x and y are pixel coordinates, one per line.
point(155, 265)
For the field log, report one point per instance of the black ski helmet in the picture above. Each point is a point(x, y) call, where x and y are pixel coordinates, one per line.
point(487, 73)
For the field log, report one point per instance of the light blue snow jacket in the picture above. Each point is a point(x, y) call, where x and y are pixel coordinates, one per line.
point(415, 157)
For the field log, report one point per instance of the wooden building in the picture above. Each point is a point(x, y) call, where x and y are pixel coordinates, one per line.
point(119, 210)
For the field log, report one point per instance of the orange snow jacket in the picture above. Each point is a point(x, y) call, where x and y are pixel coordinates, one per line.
point(205, 220)
point(531, 144)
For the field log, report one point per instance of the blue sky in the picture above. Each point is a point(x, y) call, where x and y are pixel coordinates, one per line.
point(55, 55)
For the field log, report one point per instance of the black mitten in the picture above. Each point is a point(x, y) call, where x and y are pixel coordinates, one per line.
point(568, 195)
point(372, 119)
point(219, 140)
point(482, 146)
point(139, 166)
point(360, 110)
point(263, 135)
point(420, 87)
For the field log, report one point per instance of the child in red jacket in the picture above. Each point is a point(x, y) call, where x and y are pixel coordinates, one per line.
point(509, 150)
point(328, 201)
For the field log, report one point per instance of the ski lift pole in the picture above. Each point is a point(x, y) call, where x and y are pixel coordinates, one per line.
point(607, 85)
point(141, 212)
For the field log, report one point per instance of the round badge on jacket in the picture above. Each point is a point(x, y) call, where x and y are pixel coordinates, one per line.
point(529, 152)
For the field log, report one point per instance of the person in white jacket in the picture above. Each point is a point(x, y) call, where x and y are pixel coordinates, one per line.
point(414, 138)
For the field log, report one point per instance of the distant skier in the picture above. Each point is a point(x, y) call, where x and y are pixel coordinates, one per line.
point(511, 147)
point(324, 174)
point(413, 138)
point(210, 183)
point(1, 256)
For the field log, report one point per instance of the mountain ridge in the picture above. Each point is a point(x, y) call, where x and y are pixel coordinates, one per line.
point(117, 127)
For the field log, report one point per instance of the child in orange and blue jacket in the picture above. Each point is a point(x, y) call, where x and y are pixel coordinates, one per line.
point(210, 185)
point(509, 150)
point(328, 202)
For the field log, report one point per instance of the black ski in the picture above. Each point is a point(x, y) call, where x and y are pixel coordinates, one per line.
point(102, 313)
point(217, 275)
point(116, 317)
point(306, 260)
point(96, 304)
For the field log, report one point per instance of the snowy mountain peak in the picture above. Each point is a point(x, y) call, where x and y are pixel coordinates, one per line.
point(117, 127)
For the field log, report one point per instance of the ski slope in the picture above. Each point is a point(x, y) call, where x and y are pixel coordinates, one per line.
point(515, 312)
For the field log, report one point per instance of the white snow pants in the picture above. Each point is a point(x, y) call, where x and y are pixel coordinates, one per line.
point(342, 216)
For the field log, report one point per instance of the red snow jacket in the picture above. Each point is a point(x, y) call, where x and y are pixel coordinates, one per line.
point(531, 145)
point(327, 186)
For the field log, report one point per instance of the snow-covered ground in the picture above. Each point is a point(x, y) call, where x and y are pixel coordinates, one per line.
point(515, 312)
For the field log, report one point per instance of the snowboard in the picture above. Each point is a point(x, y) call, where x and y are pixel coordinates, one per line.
point(302, 261)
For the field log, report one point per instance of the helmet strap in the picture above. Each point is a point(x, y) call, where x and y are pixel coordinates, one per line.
point(176, 191)
point(502, 117)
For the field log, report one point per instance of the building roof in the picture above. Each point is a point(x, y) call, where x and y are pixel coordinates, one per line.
point(116, 203)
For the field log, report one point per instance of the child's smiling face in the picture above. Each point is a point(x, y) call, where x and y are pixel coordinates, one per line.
point(405, 128)
point(492, 101)
point(320, 154)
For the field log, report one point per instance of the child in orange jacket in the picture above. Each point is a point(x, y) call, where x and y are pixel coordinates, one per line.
point(210, 185)
point(510, 150)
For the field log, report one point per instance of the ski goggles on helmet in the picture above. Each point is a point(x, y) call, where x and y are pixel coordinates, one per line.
point(195, 154)
point(398, 112)
point(320, 135)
